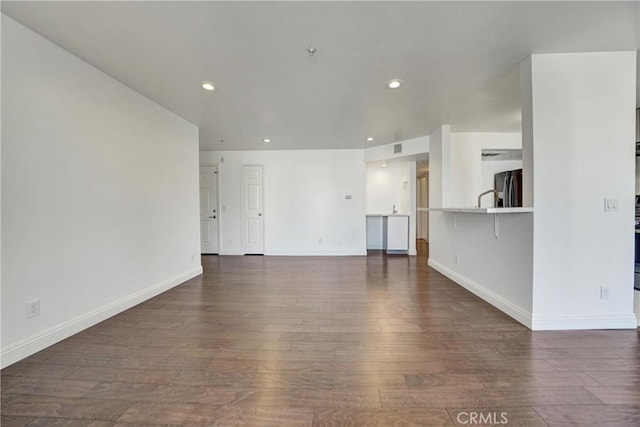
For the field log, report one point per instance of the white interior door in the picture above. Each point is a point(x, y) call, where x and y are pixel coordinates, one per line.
point(209, 209)
point(252, 207)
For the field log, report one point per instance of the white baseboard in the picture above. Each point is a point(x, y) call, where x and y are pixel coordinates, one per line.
point(559, 323)
point(492, 298)
point(40, 341)
point(304, 252)
point(301, 252)
point(539, 323)
point(636, 304)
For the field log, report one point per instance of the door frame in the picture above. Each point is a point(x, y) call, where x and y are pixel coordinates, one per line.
point(217, 165)
point(243, 215)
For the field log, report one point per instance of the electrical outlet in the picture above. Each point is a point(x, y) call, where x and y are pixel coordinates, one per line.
point(193, 257)
point(33, 308)
point(456, 259)
point(604, 292)
point(320, 241)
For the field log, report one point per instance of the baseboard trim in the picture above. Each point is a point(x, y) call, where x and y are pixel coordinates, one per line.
point(492, 298)
point(314, 253)
point(38, 342)
point(538, 323)
point(299, 252)
point(558, 323)
point(636, 304)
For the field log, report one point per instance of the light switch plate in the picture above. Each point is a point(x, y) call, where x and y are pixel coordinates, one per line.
point(611, 204)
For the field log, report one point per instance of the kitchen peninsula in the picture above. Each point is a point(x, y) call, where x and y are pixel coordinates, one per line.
point(494, 211)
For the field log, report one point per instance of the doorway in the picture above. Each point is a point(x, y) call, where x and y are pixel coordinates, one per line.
point(252, 209)
point(209, 210)
point(422, 201)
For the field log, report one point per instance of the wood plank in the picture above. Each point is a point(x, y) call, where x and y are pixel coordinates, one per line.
point(51, 387)
point(323, 341)
point(523, 416)
point(381, 417)
point(590, 415)
point(141, 376)
point(59, 407)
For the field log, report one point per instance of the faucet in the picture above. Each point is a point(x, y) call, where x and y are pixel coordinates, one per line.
point(495, 197)
point(394, 211)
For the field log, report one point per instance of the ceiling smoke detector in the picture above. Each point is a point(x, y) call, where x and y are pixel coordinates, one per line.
point(312, 50)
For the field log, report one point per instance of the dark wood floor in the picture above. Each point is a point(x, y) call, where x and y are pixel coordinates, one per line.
point(275, 341)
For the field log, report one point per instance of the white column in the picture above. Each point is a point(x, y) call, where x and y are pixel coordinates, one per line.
point(439, 189)
point(578, 145)
point(439, 167)
point(411, 184)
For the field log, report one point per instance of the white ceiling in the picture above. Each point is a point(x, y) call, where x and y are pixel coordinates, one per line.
point(458, 60)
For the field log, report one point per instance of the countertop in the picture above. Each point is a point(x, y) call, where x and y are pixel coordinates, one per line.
point(480, 210)
point(387, 214)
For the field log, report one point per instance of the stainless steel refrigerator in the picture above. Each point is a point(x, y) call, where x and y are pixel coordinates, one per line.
point(508, 184)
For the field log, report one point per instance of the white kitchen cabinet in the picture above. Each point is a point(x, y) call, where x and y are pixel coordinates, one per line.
point(388, 232)
point(397, 233)
point(375, 232)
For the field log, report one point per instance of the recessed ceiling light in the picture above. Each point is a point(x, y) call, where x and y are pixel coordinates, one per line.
point(394, 84)
point(369, 139)
point(266, 140)
point(207, 86)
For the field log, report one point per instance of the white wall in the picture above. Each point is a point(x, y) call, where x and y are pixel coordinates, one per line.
point(385, 188)
point(439, 168)
point(410, 147)
point(439, 187)
point(465, 171)
point(464, 247)
point(100, 194)
point(528, 170)
point(499, 270)
point(1, 363)
point(305, 211)
point(582, 130)
point(467, 164)
point(413, 217)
